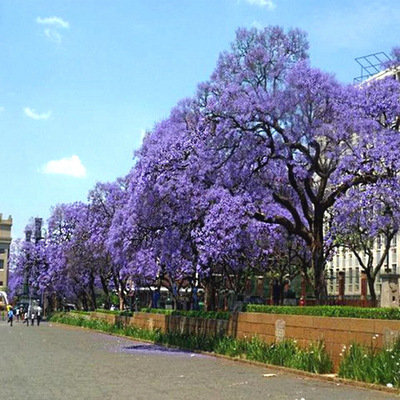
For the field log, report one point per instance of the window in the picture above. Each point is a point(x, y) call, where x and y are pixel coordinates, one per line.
point(1, 264)
point(357, 279)
point(337, 280)
point(379, 241)
point(350, 280)
point(394, 268)
point(1, 283)
point(331, 280)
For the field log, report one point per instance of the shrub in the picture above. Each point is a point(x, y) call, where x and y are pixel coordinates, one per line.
point(329, 311)
point(80, 312)
point(190, 313)
point(367, 364)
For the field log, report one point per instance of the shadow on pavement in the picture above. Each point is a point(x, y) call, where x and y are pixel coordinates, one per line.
point(154, 348)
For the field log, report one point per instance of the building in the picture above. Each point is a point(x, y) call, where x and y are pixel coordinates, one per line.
point(5, 242)
point(344, 260)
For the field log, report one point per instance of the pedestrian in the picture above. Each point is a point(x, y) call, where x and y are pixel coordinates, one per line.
point(32, 318)
point(10, 316)
point(17, 314)
point(276, 292)
point(39, 315)
point(26, 318)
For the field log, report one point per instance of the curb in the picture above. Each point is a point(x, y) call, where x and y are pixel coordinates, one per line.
point(312, 375)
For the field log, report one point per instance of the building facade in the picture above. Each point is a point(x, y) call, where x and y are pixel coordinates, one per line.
point(345, 261)
point(5, 242)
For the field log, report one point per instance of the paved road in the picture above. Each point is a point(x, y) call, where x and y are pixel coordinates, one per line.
point(60, 362)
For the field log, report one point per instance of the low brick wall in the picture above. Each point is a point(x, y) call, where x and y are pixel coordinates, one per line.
point(147, 321)
point(197, 326)
point(177, 323)
point(109, 318)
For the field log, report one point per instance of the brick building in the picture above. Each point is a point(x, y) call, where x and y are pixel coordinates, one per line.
point(5, 242)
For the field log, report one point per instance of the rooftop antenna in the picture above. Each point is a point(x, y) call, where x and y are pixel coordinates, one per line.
point(370, 65)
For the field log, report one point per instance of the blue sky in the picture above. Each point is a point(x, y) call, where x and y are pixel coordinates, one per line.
point(81, 80)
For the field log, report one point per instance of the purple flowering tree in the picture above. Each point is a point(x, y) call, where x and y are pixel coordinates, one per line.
point(394, 61)
point(72, 268)
point(293, 138)
point(105, 199)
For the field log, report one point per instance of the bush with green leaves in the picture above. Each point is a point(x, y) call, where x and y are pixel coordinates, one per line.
point(286, 353)
point(80, 312)
point(190, 313)
point(372, 365)
point(329, 311)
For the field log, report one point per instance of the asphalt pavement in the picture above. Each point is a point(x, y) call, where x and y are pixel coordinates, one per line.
point(62, 362)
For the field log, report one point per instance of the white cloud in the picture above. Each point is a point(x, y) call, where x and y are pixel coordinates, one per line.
point(52, 35)
point(71, 166)
point(262, 3)
point(31, 113)
point(54, 21)
point(53, 24)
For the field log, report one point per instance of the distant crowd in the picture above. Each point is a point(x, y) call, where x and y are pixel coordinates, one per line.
point(25, 316)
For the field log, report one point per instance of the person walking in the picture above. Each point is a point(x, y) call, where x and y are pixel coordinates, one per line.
point(38, 315)
point(32, 318)
point(276, 292)
point(26, 318)
point(10, 316)
point(17, 314)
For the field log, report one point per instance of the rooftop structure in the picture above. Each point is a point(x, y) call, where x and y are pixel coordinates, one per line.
point(371, 65)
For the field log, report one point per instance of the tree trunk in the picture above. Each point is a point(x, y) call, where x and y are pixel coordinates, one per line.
point(318, 257)
point(318, 266)
point(92, 293)
point(210, 295)
point(107, 303)
point(121, 302)
point(371, 287)
point(84, 302)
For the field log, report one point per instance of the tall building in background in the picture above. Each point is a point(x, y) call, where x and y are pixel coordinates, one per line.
point(5, 242)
